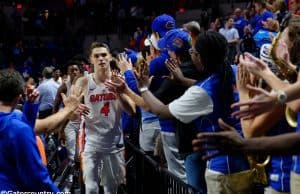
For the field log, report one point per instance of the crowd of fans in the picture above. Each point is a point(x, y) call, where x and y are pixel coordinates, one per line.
point(32, 31)
point(172, 91)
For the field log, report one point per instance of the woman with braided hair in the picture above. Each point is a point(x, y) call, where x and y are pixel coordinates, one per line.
point(203, 103)
point(285, 53)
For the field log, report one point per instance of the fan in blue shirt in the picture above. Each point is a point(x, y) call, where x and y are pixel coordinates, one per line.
point(21, 168)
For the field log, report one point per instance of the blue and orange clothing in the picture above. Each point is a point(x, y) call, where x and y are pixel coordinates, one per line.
point(41, 148)
point(20, 162)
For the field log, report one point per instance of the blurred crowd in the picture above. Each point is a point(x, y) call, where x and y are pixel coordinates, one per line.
point(171, 93)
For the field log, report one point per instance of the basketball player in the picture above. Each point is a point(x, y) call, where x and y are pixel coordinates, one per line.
point(102, 153)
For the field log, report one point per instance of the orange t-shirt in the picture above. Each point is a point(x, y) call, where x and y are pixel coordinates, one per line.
point(41, 148)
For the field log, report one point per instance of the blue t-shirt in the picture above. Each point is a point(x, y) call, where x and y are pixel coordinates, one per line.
point(21, 167)
point(258, 25)
point(263, 37)
point(280, 166)
point(239, 24)
point(158, 68)
point(296, 158)
point(225, 164)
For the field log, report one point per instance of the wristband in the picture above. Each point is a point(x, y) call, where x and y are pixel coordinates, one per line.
point(143, 89)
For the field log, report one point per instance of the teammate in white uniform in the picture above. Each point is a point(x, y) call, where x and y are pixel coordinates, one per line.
point(73, 126)
point(102, 157)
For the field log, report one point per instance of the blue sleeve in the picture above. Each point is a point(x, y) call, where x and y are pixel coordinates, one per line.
point(254, 20)
point(157, 67)
point(30, 171)
point(131, 81)
point(130, 122)
point(244, 24)
point(256, 24)
point(30, 111)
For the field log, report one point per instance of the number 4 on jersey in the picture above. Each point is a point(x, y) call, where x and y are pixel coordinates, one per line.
point(105, 109)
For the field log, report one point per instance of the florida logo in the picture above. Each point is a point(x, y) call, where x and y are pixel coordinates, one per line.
point(170, 25)
point(177, 42)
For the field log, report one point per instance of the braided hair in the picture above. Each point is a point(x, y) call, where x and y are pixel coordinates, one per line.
point(213, 50)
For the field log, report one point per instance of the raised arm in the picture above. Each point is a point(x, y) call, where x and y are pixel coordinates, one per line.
point(80, 86)
point(119, 86)
point(261, 69)
point(52, 122)
point(137, 99)
point(259, 125)
point(230, 142)
point(58, 98)
point(185, 108)
point(155, 105)
point(127, 104)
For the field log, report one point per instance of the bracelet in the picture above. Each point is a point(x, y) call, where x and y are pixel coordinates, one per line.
point(143, 89)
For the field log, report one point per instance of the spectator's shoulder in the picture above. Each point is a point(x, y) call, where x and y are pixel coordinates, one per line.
point(268, 14)
point(18, 128)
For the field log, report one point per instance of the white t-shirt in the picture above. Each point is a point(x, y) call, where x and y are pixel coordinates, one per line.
point(230, 34)
point(195, 102)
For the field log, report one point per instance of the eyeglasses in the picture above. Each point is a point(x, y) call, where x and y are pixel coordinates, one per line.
point(192, 51)
point(96, 56)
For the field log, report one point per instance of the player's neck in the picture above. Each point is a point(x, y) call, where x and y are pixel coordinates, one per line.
point(101, 76)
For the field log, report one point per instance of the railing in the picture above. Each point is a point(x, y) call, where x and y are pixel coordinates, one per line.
point(146, 176)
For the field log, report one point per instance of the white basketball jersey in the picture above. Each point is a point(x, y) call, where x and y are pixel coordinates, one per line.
point(102, 125)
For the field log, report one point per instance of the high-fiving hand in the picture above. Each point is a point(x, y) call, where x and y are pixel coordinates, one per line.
point(117, 83)
point(142, 76)
point(225, 142)
point(264, 101)
point(124, 62)
point(175, 72)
